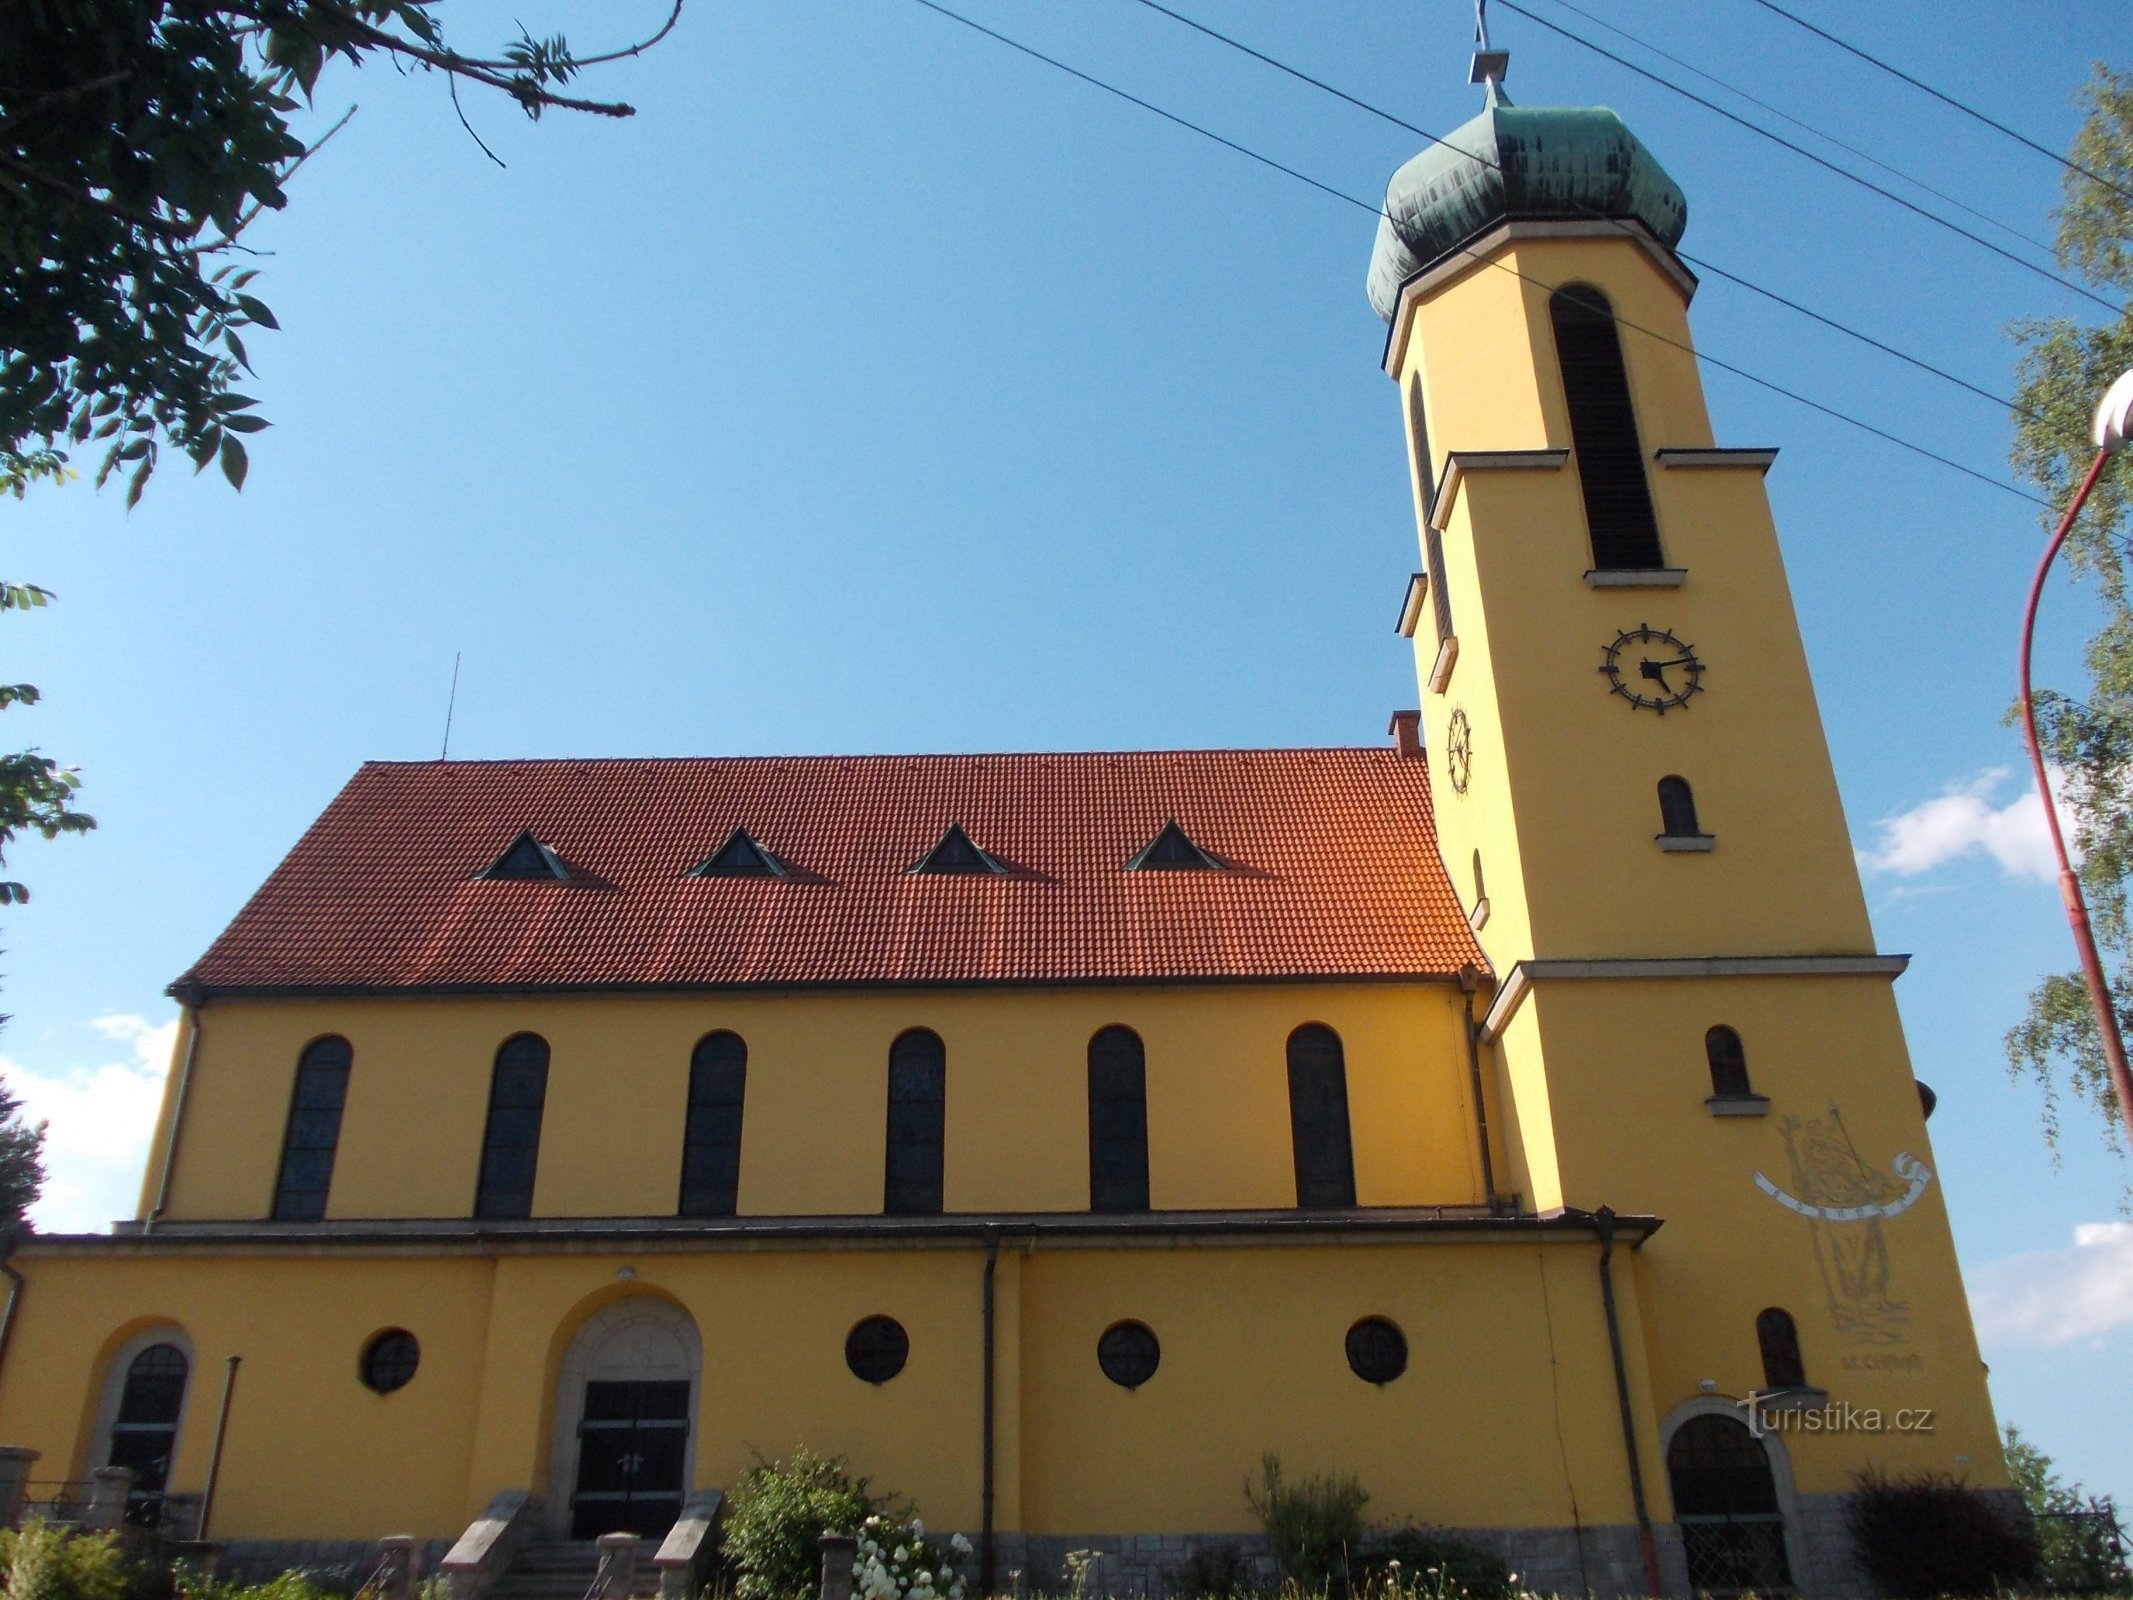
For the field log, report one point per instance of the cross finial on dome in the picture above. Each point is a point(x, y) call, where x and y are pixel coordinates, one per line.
point(1490, 66)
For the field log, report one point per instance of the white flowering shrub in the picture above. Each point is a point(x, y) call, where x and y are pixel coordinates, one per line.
point(896, 1561)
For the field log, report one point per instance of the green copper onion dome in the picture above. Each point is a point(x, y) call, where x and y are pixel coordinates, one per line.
point(1555, 162)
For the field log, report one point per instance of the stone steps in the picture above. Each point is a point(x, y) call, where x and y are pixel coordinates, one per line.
point(564, 1569)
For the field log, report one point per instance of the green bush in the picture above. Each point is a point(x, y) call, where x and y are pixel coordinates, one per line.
point(1429, 1561)
point(1312, 1526)
point(299, 1583)
point(42, 1562)
point(778, 1512)
point(1933, 1535)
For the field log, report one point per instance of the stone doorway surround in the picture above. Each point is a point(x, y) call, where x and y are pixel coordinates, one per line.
point(641, 1338)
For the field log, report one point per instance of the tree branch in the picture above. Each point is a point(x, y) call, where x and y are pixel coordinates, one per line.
point(246, 218)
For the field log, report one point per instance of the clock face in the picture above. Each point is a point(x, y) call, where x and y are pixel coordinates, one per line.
point(1652, 669)
point(1459, 751)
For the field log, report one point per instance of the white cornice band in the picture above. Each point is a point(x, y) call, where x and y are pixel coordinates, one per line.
point(1523, 976)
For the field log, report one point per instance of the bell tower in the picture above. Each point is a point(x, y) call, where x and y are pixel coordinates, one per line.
point(1635, 800)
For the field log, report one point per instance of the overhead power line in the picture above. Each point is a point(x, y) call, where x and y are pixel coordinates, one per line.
point(1946, 99)
point(1699, 262)
point(1780, 112)
point(1377, 211)
point(1824, 162)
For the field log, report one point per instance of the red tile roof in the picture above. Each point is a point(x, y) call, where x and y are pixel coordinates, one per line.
point(1332, 864)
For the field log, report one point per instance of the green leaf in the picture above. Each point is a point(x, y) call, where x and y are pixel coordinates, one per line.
point(255, 308)
point(246, 424)
point(138, 482)
point(234, 462)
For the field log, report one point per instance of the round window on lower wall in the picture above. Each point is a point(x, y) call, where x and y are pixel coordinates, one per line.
point(1129, 1353)
point(389, 1360)
point(877, 1348)
point(1377, 1350)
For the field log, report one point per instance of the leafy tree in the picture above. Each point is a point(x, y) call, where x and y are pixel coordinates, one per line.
point(139, 140)
point(21, 1165)
point(2079, 1554)
point(2065, 367)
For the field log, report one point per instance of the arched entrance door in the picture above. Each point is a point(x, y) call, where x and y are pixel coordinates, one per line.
point(625, 1414)
point(1726, 1500)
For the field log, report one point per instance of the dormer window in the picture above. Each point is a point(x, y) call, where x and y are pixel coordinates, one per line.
point(527, 861)
point(1172, 851)
point(739, 857)
point(956, 855)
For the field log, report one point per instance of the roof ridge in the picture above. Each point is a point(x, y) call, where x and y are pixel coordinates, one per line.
point(913, 755)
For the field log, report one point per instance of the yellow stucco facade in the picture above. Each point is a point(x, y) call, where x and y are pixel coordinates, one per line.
point(1576, 1285)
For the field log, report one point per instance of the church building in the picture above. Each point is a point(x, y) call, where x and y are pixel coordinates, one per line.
point(1514, 1114)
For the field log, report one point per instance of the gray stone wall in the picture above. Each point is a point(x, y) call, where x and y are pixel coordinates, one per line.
point(257, 1560)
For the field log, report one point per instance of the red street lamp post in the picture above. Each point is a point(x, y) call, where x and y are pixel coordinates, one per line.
point(2114, 426)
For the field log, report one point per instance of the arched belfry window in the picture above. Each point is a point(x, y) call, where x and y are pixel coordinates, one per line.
point(314, 1131)
point(1318, 1118)
point(1603, 431)
point(1677, 809)
point(1426, 477)
point(1118, 1121)
point(918, 1113)
point(711, 1140)
point(1778, 1337)
point(1729, 1063)
point(511, 1143)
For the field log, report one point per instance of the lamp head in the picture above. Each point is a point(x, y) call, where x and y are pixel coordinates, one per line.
point(2114, 417)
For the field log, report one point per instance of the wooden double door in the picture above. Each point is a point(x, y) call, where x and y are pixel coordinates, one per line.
point(633, 1453)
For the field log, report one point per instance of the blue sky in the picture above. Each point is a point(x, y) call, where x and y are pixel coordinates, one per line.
point(876, 389)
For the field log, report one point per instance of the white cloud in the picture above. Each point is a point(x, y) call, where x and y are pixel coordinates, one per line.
point(99, 1118)
point(2053, 1297)
point(1962, 821)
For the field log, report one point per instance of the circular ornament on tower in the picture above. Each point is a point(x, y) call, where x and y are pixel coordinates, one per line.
point(389, 1360)
point(1651, 668)
point(1129, 1353)
point(876, 1349)
point(1459, 750)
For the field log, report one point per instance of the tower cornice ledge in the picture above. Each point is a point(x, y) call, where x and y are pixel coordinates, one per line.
point(1459, 463)
point(1519, 982)
point(1474, 254)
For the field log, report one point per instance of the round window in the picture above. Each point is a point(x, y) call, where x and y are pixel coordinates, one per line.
point(877, 1348)
point(1377, 1350)
point(1128, 1353)
point(389, 1360)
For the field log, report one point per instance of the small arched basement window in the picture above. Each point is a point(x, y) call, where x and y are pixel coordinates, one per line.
point(918, 1113)
point(1603, 432)
point(711, 1140)
point(1729, 1063)
point(511, 1143)
point(1318, 1118)
point(1118, 1121)
point(314, 1131)
point(1778, 1337)
point(1677, 809)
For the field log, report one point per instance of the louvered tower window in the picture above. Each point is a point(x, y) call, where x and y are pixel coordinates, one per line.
point(1778, 1337)
point(1318, 1118)
point(918, 1113)
point(314, 1131)
point(511, 1143)
point(1118, 1121)
point(1603, 432)
point(711, 1141)
point(1432, 539)
point(1729, 1063)
point(1677, 809)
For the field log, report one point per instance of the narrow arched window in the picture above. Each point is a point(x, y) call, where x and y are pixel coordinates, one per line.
point(1432, 539)
point(1318, 1118)
point(314, 1131)
point(711, 1141)
point(1481, 886)
point(1779, 1340)
point(918, 1112)
point(1118, 1122)
point(144, 1431)
point(511, 1144)
point(1677, 809)
point(1729, 1062)
point(1603, 431)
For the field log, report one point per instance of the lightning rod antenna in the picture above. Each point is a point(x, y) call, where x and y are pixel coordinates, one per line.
point(451, 701)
